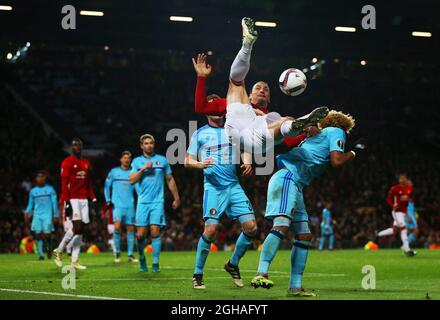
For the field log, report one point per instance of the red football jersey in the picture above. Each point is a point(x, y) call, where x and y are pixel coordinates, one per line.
point(75, 179)
point(394, 197)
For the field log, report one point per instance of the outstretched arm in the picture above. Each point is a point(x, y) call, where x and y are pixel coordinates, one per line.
point(202, 105)
point(192, 163)
point(338, 159)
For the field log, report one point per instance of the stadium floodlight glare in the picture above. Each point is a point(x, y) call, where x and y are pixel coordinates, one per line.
point(345, 29)
point(181, 19)
point(363, 62)
point(5, 8)
point(266, 24)
point(91, 13)
point(421, 34)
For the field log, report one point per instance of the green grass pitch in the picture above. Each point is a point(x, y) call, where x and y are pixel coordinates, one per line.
point(333, 275)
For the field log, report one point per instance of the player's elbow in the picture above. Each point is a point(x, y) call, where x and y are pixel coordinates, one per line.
point(336, 162)
point(187, 162)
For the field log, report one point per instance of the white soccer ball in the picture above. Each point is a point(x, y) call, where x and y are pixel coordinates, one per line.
point(292, 82)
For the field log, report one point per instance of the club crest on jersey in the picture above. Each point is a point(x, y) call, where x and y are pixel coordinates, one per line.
point(157, 163)
point(213, 211)
point(340, 144)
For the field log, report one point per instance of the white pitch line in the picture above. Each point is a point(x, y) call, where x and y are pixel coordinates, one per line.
point(310, 274)
point(61, 294)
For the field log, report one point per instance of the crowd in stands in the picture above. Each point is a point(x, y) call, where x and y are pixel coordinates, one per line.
point(126, 95)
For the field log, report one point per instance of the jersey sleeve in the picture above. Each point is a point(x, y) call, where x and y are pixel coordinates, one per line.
point(202, 106)
point(336, 139)
point(134, 167)
point(90, 192)
point(54, 202)
point(167, 167)
point(31, 203)
point(390, 197)
point(193, 148)
point(292, 142)
point(108, 186)
point(65, 175)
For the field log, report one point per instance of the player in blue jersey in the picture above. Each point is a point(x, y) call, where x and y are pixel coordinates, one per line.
point(326, 228)
point(285, 202)
point(222, 194)
point(43, 207)
point(148, 173)
point(411, 226)
point(119, 194)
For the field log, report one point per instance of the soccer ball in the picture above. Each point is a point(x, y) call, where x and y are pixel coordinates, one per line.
point(293, 82)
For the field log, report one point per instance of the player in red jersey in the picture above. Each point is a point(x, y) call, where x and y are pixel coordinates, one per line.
point(398, 197)
point(75, 190)
point(247, 125)
point(259, 99)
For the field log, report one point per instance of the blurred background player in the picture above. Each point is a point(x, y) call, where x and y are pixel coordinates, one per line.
point(43, 207)
point(119, 194)
point(398, 197)
point(326, 228)
point(148, 173)
point(222, 193)
point(75, 189)
point(251, 128)
point(411, 224)
point(285, 201)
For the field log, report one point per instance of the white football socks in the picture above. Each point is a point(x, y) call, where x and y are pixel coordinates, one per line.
point(404, 237)
point(386, 232)
point(67, 237)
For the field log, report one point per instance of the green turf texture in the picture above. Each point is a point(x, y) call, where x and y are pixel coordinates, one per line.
point(333, 275)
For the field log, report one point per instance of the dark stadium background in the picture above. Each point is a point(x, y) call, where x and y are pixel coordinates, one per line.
point(68, 84)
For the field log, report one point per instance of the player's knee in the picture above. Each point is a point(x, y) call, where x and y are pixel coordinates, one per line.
point(210, 231)
point(155, 232)
point(304, 237)
point(250, 228)
point(283, 229)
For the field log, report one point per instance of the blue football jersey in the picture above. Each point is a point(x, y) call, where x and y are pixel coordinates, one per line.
point(213, 142)
point(118, 189)
point(150, 188)
point(326, 216)
point(42, 202)
point(312, 157)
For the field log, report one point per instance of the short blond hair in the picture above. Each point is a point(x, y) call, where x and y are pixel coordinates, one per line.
point(146, 136)
point(338, 119)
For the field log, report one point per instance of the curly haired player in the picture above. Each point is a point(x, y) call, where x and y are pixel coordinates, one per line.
point(285, 202)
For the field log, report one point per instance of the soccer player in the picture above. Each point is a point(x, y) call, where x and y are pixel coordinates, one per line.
point(285, 202)
point(75, 189)
point(411, 226)
point(326, 228)
point(43, 207)
point(259, 99)
point(251, 128)
point(148, 172)
point(398, 197)
point(222, 193)
point(119, 194)
point(107, 215)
